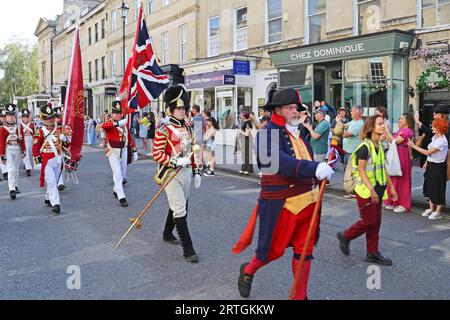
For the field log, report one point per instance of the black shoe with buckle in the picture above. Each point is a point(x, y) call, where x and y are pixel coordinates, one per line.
point(12, 194)
point(245, 282)
point(28, 173)
point(48, 203)
point(61, 187)
point(378, 259)
point(123, 202)
point(344, 244)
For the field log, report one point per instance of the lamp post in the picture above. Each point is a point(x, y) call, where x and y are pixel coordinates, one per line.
point(124, 13)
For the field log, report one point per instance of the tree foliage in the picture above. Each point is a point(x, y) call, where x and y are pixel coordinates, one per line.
point(19, 73)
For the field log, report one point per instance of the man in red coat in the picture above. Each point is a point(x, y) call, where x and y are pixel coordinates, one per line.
point(289, 192)
point(12, 148)
point(47, 145)
point(119, 149)
point(27, 127)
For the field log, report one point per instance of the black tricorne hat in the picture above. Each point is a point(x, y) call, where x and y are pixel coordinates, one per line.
point(116, 107)
point(285, 97)
point(47, 112)
point(442, 108)
point(11, 108)
point(177, 97)
point(26, 113)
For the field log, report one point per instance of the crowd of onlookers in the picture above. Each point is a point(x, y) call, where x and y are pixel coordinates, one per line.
point(326, 128)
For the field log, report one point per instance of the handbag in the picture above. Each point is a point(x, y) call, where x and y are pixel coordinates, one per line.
point(393, 166)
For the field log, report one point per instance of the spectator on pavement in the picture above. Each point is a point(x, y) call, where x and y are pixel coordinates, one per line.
point(435, 169)
point(402, 184)
point(210, 145)
point(319, 136)
point(382, 111)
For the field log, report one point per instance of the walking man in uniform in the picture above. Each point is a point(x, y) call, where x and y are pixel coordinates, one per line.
point(12, 148)
point(119, 149)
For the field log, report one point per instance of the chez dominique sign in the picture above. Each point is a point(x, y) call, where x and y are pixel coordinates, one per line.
point(363, 46)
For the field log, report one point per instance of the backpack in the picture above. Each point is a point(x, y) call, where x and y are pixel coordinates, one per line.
point(349, 178)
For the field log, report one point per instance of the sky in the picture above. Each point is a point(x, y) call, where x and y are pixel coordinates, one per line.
point(20, 17)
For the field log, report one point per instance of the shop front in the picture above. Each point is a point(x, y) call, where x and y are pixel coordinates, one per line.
point(102, 98)
point(222, 93)
point(369, 70)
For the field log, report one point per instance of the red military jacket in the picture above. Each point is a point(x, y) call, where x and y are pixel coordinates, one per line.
point(170, 141)
point(118, 137)
point(9, 135)
point(43, 149)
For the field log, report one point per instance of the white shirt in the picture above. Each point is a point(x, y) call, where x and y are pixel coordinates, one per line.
point(440, 143)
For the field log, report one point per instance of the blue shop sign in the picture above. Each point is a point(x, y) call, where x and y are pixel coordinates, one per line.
point(241, 68)
point(229, 79)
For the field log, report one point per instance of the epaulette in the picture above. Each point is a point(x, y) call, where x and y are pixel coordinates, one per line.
point(163, 130)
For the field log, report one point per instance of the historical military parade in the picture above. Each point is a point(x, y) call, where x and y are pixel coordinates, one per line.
point(206, 152)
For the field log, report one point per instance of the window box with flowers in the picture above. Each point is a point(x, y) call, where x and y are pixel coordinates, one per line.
point(437, 70)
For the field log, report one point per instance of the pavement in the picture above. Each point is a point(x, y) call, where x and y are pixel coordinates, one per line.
point(40, 254)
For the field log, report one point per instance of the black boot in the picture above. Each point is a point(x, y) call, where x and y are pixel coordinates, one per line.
point(12, 194)
point(244, 282)
point(47, 203)
point(28, 173)
point(185, 239)
point(344, 244)
point(56, 210)
point(378, 259)
point(168, 230)
point(17, 190)
point(123, 202)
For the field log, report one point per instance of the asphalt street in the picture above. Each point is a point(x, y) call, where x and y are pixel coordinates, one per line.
point(37, 250)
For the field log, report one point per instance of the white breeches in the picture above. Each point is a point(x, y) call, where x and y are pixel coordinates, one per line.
point(119, 169)
point(52, 170)
point(28, 160)
point(13, 157)
point(178, 192)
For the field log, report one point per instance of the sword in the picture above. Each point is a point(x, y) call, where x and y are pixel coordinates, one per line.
point(136, 221)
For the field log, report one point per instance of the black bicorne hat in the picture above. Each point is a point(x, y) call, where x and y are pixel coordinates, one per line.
point(285, 97)
point(177, 97)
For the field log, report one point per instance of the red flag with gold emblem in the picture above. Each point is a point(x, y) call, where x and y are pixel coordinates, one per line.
point(74, 103)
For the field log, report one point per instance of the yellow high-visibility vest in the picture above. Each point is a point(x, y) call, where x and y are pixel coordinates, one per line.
point(375, 169)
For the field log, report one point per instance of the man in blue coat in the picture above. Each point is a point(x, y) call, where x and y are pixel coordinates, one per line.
point(289, 194)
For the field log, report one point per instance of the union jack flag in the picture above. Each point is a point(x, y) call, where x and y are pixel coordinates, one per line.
point(144, 80)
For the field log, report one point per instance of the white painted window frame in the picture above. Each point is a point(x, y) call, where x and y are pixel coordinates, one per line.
point(235, 30)
point(209, 37)
point(273, 19)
